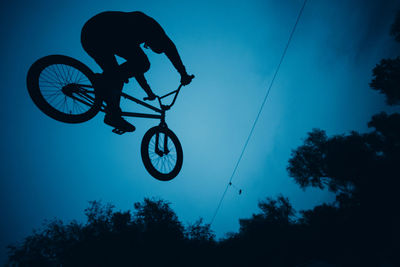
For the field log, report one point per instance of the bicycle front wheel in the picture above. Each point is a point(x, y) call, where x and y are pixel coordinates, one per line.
point(62, 88)
point(162, 153)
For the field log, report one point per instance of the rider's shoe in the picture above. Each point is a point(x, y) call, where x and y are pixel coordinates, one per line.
point(150, 97)
point(118, 122)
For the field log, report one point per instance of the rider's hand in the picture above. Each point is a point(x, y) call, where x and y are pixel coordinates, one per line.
point(186, 79)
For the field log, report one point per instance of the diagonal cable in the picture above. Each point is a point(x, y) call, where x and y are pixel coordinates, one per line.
point(259, 112)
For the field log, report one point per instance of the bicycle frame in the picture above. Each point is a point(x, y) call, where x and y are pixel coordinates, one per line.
point(163, 108)
point(160, 110)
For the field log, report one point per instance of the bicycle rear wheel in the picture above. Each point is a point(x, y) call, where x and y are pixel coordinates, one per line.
point(162, 153)
point(62, 88)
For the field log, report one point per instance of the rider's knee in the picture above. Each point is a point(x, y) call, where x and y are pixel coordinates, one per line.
point(145, 65)
point(142, 64)
point(131, 69)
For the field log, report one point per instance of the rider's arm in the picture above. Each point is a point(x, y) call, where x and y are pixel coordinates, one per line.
point(143, 83)
point(172, 53)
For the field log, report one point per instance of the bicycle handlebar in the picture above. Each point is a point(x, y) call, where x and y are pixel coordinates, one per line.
point(166, 107)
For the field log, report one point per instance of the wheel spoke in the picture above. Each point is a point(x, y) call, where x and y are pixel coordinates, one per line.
point(59, 76)
point(170, 165)
point(51, 74)
point(69, 74)
point(77, 77)
point(167, 162)
point(63, 74)
point(52, 80)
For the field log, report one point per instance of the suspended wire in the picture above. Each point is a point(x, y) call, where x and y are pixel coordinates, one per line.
point(259, 112)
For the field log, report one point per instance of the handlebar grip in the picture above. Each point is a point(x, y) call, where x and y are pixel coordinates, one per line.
point(185, 80)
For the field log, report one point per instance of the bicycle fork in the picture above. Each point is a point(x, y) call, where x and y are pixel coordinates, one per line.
point(164, 150)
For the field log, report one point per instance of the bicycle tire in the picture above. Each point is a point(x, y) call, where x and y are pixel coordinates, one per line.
point(46, 82)
point(153, 162)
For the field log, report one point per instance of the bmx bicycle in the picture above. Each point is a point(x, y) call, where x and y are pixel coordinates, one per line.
point(63, 88)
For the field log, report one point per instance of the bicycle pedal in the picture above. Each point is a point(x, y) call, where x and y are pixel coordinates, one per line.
point(118, 131)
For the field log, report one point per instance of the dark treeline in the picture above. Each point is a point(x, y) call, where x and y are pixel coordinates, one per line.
point(361, 228)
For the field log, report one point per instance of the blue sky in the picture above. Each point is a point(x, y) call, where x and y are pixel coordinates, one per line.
point(51, 169)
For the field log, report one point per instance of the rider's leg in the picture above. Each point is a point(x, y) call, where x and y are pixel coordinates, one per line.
point(113, 111)
point(110, 85)
point(136, 65)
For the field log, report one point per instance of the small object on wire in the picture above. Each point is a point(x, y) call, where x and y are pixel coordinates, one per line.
point(240, 190)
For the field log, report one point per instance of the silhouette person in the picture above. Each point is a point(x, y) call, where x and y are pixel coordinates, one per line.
point(121, 33)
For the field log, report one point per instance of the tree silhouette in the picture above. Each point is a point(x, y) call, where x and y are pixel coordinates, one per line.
point(268, 238)
point(395, 29)
point(386, 74)
point(200, 232)
point(152, 236)
point(387, 79)
point(351, 163)
point(362, 169)
point(156, 216)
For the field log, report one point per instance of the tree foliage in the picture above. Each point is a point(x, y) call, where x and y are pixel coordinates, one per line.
point(350, 163)
point(363, 171)
point(386, 80)
point(386, 74)
point(152, 236)
point(395, 29)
